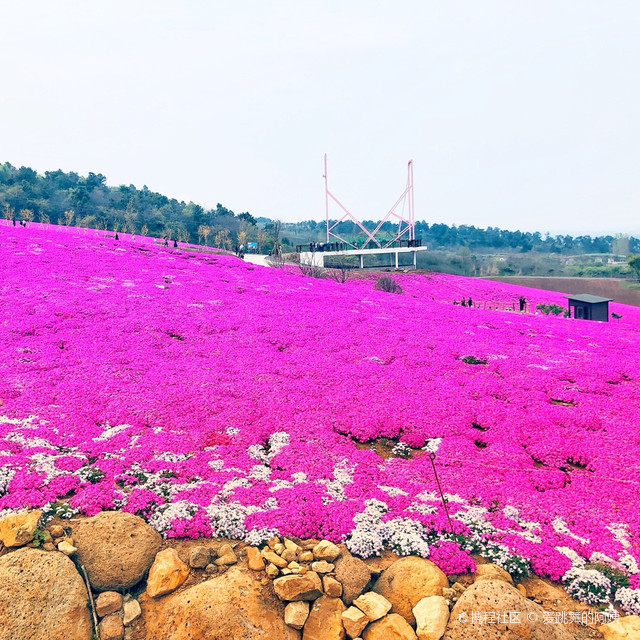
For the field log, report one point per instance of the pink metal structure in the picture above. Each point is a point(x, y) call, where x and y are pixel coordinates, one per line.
point(406, 216)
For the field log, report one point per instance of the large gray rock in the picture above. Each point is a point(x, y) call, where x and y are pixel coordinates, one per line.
point(494, 598)
point(116, 548)
point(354, 575)
point(42, 596)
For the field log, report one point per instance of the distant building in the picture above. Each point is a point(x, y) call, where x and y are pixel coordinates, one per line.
point(589, 307)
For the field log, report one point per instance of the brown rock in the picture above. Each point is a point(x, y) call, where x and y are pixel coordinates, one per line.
point(108, 602)
point(233, 605)
point(273, 542)
point(131, 612)
point(292, 546)
point(66, 548)
point(111, 628)
point(117, 549)
point(42, 596)
point(522, 590)
point(326, 550)
point(254, 559)
point(274, 558)
point(491, 571)
point(167, 573)
point(373, 605)
point(49, 546)
point(226, 556)
point(627, 628)
point(498, 598)
point(354, 575)
point(289, 556)
point(199, 557)
point(296, 614)
point(298, 587)
point(325, 620)
point(331, 587)
point(279, 548)
point(542, 590)
point(17, 529)
point(378, 565)
point(272, 570)
point(391, 627)
point(322, 566)
point(56, 531)
point(407, 581)
point(306, 556)
point(354, 621)
point(432, 615)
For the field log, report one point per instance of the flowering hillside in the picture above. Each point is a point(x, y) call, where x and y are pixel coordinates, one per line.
point(214, 397)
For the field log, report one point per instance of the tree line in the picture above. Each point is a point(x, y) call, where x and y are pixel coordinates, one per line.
point(67, 198)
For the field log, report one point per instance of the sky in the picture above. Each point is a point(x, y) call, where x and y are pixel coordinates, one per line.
point(517, 114)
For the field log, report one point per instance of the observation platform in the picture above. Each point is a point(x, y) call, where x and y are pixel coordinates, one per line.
point(329, 255)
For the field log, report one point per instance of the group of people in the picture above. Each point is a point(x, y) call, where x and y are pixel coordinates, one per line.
point(239, 250)
point(464, 302)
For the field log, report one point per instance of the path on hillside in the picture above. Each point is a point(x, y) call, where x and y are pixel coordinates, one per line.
point(256, 258)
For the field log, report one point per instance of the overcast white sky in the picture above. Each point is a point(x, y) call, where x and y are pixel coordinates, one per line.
point(517, 113)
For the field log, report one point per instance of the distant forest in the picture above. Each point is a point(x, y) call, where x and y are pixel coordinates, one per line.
point(71, 199)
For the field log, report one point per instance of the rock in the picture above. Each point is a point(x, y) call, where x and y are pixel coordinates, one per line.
point(627, 628)
point(131, 612)
point(522, 590)
point(233, 605)
point(407, 581)
point(331, 587)
point(373, 605)
point(326, 550)
point(167, 573)
point(298, 587)
point(254, 559)
point(108, 602)
point(432, 615)
point(226, 556)
point(305, 556)
point(272, 542)
point(296, 614)
point(491, 571)
point(66, 548)
point(274, 558)
point(449, 594)
point(111, 628)
point(294, 567)
point(279, 548)
point(272, 571)
point(289, 556)
point(199, 557)
point(292, 546)
point(211, 568)
point(470, 615)
point(117, 549)
point(49, 546)
point(322, 566)
point(17, 529)
point(354, 575)
point(391, 627)
point(354, 621)
point(542, 590)
point(42, 596)
point(378, 565)
point(56, 531)
point(325, 620)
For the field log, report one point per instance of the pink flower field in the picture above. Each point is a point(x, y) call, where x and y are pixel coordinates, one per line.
point(214, 397)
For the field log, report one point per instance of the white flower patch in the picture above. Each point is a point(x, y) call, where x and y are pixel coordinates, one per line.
point(422, 509)
point(216, 465)
point(163, 516)
point(21, 438)
point(232, 431)
point(629, 600)
point(260, 472)
point(227, 519)
point(6, 475)
point(406, 537)
point(394, 492)
point(577, 561)
point(277, 441)
point(560, 526)
point(620, 532)
point(230, 485)
point(427, 496)
point(258, 537)
point(342, 476)
point(109, 432)
point(167, 456)
point(629, 563)
point(432, 445)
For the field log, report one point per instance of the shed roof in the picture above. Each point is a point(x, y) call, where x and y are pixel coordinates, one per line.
point(587, 297)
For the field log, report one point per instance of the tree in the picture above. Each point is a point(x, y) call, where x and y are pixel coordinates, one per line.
point(634, 262)
point(144, 230)
point(8, 212)
point(68, 216)
point(27, 215)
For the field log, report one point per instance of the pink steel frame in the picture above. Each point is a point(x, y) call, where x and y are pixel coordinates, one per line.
point(404, 201)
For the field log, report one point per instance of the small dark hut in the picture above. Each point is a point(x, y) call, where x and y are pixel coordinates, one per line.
point(589, 307)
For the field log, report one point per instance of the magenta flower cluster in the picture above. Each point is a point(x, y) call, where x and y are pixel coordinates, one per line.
point(213, 397)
